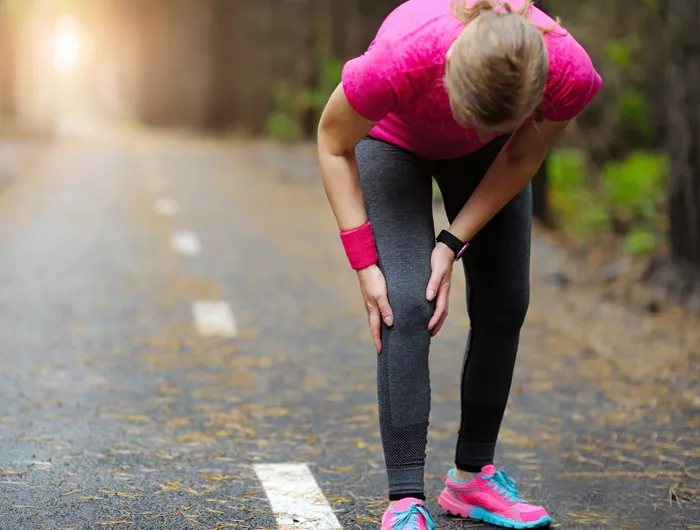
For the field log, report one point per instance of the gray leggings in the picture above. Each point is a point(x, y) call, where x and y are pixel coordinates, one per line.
point(397, 190)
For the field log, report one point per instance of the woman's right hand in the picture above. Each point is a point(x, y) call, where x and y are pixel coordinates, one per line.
point(374, 292)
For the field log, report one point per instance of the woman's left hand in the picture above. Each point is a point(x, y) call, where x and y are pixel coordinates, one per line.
point(441, 264)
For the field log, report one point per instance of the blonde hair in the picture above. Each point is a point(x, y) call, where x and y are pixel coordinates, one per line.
point(497, 70)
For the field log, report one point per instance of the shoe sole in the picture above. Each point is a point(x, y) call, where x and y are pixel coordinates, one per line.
point(479, 514)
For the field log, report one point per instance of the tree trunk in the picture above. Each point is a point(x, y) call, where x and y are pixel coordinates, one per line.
point(7, 64)
point(307, 68)
point(540, 197)
point(684, 131)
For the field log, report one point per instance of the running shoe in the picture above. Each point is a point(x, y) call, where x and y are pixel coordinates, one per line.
point(407, 514)
point(492, 497)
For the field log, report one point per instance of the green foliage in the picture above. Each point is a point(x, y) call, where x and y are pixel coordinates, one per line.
point(640, 242)
point(566, 168)
point(629, 196)
point(328, 79)
point(573, 202)
point(617, 182)
point(633, 111)
point(622, 51)
point(282, 127)
point(284, 122)
point(636, 186)
point(581, 214)
point(291, 105)
point(618, 54)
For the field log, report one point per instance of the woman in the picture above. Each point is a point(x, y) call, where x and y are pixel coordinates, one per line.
point(472, 95)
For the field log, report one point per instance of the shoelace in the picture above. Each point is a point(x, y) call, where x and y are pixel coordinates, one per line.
point(504, 485)
point(409, 519)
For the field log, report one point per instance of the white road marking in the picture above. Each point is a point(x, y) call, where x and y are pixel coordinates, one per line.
point(166, 207)
point(295, 497)
point(214, 319)
point(186, 243)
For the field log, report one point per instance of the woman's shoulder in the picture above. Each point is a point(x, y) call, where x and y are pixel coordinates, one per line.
point(573, 80)
point(415, 35)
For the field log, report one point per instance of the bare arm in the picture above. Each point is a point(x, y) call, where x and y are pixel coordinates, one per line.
point(339, 130)
point(513, 168)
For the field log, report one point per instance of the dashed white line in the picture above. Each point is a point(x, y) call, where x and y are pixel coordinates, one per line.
point(214, 319)
point(295, 497)
point(166, 207)
point(186, 243)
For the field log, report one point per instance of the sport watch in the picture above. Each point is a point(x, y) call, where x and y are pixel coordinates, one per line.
point(452, 242)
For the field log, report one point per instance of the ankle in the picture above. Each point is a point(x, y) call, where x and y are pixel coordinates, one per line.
point(463, 476)
point(420, 498)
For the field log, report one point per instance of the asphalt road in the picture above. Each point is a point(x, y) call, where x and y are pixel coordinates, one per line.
point(116, 411)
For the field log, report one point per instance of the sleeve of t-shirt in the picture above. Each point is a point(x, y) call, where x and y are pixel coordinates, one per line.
point(369, 83)
point(573, 81)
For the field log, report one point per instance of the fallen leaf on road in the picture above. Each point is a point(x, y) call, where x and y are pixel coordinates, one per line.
point(218, 478)
point(134, 418)
point(8, 473)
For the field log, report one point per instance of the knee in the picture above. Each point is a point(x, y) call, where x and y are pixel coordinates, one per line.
point(502, 310)
point(412, 311)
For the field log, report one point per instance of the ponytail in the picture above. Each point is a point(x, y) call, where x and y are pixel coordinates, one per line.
point(467, 14)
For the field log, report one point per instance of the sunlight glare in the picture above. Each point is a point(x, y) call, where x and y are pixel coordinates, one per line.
point(66, 44)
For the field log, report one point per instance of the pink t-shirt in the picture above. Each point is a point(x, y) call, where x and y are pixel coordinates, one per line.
point(398, 81)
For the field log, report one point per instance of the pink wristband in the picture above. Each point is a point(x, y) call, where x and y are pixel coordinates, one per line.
point(359, 246)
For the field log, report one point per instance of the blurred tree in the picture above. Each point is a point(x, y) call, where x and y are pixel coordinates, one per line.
point(221, 93)
point(7, 63)
point(684, 129)
point(306, 70)
point(540, 197)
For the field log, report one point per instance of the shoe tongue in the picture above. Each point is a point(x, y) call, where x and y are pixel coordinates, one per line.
point(488, 470)
point(405, 504)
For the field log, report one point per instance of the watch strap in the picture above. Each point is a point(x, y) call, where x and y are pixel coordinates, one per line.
point(453, 242)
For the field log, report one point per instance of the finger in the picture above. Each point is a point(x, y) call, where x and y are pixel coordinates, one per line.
point(434, 284)
point(374, 326)
point(438, 326)
point(440, 305)
point(385, 309)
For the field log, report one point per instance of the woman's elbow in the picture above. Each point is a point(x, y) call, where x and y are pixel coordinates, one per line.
point(331, 142)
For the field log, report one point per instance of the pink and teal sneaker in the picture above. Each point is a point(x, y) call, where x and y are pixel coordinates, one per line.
point(491, 497)
point(407, 514)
